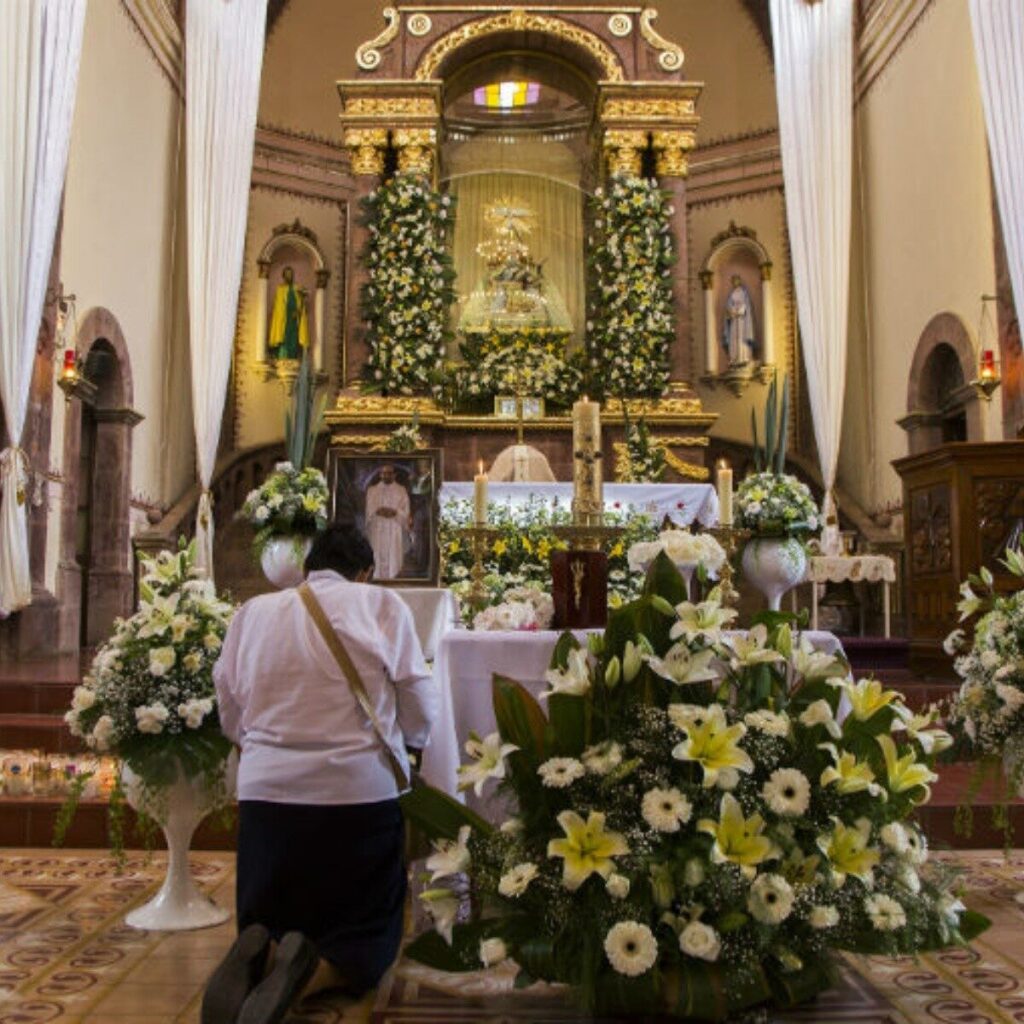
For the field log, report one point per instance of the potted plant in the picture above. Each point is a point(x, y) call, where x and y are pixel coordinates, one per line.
point(149, 700)
point(290, 506)
point(776, 508)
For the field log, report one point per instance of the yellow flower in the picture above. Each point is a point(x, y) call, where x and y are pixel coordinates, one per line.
point(500, 547)
point(527, 546)
point(454, 547)
point(906, 772)
point(714, 745)
point(849, 774)
point(587, 848)
point(848, 852)
point(543, 548)
point(867, 697)
point(616, 552)
point(738, 839)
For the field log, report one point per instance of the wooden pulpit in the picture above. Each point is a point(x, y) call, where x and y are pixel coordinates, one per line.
point(962, 504)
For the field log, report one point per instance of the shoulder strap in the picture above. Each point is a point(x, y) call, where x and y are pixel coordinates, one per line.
point(351, 673)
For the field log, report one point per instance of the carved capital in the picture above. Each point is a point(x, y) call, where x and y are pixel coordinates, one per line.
point(264, 268)
point(671, 149)
point(322, 277)
point(624, 150)
point(416, 148)
point(766, 271)
point(367, 146)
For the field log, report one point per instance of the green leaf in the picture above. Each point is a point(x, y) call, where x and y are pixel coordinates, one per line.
point(439, 815)
point(665, 581)
point(521, 720)
point(560, 656)
point(568, 716)
point(461, 956)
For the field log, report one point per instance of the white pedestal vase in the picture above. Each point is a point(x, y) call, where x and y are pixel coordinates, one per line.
point(774, 565)
point(282, 560)
point(686, 570)
point(180, 904)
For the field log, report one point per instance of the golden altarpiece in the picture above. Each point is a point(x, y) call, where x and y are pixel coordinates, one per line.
point(522, 112)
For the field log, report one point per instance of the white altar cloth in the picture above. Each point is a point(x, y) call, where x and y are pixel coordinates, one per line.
point(434, 610)
point(685, 503)
point(466, 661)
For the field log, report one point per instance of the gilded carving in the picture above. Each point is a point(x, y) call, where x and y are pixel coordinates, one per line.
point(374, 442)
point(624, 150)
point(671, 56)
point(390, 106)
point(368, 55)
point(368, 146)
point(520, 20)
point(656, 108)
point(620, 25)
point(416, 149)
point(420, 24)
point(671, 150)
point(687, 470)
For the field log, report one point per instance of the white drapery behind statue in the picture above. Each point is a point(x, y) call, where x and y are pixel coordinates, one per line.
point(40, 47)
point(814, 84)
point(998, 27)
point(223, 61)
point(544, 176)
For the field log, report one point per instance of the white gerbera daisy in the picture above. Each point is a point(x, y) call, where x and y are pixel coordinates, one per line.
point(917, 846)
point(887, 914)
point(787, 792)
point(666, 809)
point(822, 917)
point(771, 723)
point(602, 758)
point(617, 886)
point(770, 899)
point(515, 882)
point(559, 772)
point(631, 948)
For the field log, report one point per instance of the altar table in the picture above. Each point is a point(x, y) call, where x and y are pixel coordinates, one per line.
point(685, 503)
point(434, 610)
point(466, 661)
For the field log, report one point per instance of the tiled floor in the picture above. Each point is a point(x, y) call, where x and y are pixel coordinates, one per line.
point(66, 956)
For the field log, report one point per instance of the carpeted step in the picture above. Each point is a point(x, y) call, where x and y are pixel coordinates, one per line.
point(48, 733)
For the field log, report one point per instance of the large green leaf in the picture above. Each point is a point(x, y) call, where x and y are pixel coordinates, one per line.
point(665, 580)
point(569, 723)
point(521, 720)
point(439, 815)
point(461, 956)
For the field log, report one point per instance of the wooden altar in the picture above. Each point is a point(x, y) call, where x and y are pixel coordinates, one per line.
point(961, 504)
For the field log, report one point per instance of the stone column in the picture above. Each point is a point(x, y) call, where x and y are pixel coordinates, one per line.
point(320, 349)
point(368, 146)
point(672, 166)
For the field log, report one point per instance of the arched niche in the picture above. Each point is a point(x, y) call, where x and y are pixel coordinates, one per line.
point(941, 404)
point(291, 246)
point(96, 573)
point(737, 253)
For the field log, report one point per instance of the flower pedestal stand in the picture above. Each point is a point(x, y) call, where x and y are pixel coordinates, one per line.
point(179, 905)
point(774, 565)
point(282, 560)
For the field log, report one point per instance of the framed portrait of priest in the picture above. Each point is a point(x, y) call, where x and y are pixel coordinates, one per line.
point(393, 498)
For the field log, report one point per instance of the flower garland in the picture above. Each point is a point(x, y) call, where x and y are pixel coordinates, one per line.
point(711, 819)
point(406, 300)
point(631, 317)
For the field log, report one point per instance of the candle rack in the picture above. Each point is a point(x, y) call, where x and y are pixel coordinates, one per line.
point(481, 539)
point(731, 538)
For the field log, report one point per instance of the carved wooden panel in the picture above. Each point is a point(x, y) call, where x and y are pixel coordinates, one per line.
point(931, 543)
point(1000, 507)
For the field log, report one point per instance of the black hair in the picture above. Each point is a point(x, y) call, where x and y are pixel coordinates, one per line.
point(342, 548)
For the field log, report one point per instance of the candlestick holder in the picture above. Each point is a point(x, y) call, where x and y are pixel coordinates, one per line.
point(732, 538)
point(481, 539)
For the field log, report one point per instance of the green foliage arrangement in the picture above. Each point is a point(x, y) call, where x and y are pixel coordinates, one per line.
point(771, 458)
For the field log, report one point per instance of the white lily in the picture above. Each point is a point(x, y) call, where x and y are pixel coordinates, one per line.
point(681, 665)
point(751, 648)
point(706, 619)
point(442, 905)
point(574, 681)
point(811, 664)
point(451, 856)
point(488, 756)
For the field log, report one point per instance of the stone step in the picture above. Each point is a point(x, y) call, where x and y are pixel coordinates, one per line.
point(48, 733)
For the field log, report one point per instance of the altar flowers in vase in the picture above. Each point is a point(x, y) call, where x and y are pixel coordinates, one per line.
point(987, 714)
point(698, 827)
point(684, 549)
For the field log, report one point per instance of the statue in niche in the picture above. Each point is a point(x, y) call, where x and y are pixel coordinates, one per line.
point(738, 337)
point(289, 321)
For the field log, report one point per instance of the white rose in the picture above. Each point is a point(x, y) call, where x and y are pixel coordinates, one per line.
point(161, 660)
point(103, 732)
point(150, 718)
point(617, 886)
point(194, 711)
point(492, 951)
point(82, 699)
point(701, 941)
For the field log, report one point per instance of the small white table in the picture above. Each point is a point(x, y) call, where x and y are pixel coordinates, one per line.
point(466, 661)
point(823, 569)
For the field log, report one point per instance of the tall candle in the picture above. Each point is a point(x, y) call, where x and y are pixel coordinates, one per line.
point(480, 496)
point(586, 447)
point(724, 493)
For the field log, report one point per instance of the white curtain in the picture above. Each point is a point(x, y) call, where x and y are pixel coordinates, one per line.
point(40, 47)
point(223, 60)
point(814, 84)
point(999, 48)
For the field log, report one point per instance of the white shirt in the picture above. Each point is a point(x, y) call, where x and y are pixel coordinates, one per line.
point(285, 701)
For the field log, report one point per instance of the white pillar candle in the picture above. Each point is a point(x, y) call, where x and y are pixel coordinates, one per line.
point(480, 497)
point(724, 493)
point(586, 448)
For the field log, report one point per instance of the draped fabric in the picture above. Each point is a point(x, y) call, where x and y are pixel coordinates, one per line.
point(814, 84)
point(223, 61)
point(998, 27)
point(545, 176)
point(40, 47)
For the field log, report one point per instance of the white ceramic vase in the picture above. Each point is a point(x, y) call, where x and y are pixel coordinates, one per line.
point(282, 560)
point(179, 905)
point(686, 570)
point(774, 565)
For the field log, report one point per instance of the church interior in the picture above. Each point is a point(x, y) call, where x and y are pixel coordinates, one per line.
point(549, 283)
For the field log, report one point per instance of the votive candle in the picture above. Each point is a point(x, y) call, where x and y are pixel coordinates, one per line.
point(724, 493)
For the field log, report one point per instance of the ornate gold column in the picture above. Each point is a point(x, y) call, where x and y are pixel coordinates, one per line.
point(623, 150)
point(368, 147)
point(417, 150)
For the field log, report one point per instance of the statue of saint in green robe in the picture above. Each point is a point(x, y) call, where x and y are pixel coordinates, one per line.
point(289, 323)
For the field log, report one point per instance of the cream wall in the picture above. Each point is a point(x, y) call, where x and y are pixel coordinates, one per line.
point(922, 232)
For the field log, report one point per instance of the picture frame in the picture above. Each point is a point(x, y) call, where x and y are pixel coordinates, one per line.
point(362, 487)
point(505, 407)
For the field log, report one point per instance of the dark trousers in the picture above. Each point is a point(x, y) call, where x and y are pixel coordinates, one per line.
point(335, 873)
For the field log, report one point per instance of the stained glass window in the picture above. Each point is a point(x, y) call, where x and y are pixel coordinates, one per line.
point(507, 95)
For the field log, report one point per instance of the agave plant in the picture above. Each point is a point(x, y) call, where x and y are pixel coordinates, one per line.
point(304, 420)
point(771, 458)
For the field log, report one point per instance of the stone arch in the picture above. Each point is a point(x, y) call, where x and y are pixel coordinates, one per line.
point(941, 405)
point(96, 573)
point(588, 48)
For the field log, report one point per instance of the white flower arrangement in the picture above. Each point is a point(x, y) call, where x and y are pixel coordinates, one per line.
point(149, 697)
point(630, 323)
point(682, 548)
point(745, 826)
point(515, 614)
point(776, 505)
point(289, 503)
